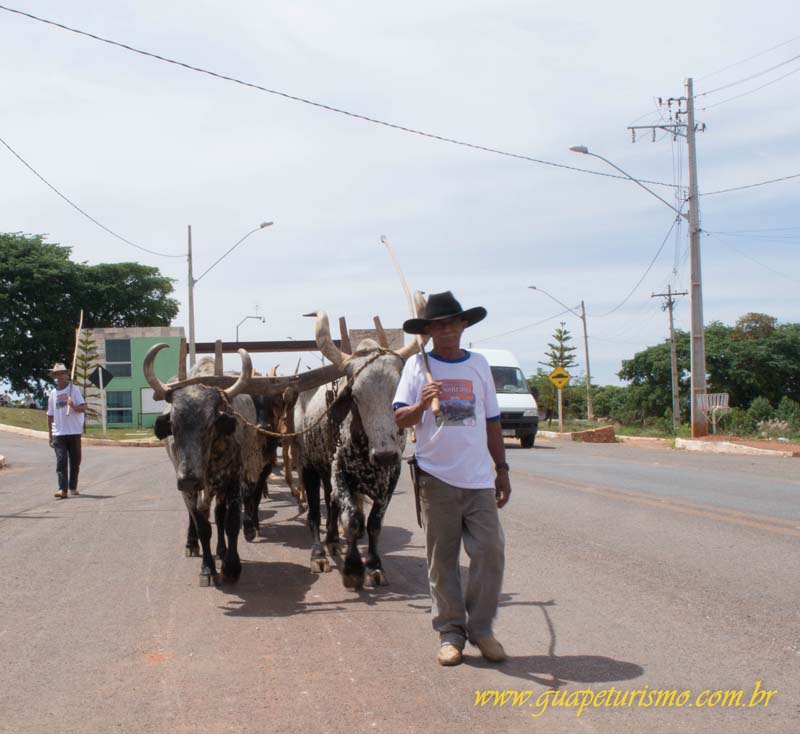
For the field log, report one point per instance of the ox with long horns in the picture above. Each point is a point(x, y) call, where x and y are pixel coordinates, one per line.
point(215, 455)
point(353, 451)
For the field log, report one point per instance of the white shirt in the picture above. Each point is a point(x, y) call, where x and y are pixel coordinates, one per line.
point(453, 447)
point(63, 424)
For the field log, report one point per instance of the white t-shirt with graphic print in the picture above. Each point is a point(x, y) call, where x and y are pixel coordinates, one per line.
point(63, 424)
point(453, 447)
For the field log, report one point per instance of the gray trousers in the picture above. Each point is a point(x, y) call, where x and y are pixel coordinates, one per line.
point(450, 515)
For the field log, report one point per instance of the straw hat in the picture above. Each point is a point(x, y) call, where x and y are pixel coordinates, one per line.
point(57, 367)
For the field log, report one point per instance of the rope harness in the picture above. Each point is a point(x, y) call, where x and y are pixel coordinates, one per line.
point(332, 398)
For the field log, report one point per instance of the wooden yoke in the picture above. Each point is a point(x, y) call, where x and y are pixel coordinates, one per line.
point(218, 371)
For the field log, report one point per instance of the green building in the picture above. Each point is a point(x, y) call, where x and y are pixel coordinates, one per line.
point(129, 399)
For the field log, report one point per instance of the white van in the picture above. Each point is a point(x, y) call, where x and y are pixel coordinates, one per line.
point(519, 414)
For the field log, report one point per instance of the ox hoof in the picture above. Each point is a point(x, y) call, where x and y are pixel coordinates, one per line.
point(333, 548)
point(192, 552)
point(320, 565)
point(377, 577)
point(353, 581)
point(207, 580)
point(250, 534)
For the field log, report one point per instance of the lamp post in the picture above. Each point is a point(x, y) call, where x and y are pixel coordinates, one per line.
point(194, 281)
point(698, 344)
point(582, 317)
point(260, 318)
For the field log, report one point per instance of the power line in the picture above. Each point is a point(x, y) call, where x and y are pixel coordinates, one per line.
point(522, 328)
point(758, 262)
point(750, 186)
point(748, 78)
point(749, 58)
point(323, 106)
point(77, 208)
point(644, 275)
point(763, 229)
point(744, 94)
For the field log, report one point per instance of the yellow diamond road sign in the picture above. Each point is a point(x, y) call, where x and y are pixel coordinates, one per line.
point(560, 377)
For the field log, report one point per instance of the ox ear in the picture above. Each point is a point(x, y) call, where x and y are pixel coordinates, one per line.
point(163, 426)
point(225, 424)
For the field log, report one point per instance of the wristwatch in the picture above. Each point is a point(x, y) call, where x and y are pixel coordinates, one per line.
point(502, 465)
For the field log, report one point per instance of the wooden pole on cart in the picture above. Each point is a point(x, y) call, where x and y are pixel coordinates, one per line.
point(435, 407)
point(75, 356)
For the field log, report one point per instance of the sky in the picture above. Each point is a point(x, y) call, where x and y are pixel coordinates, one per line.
point(148, 148)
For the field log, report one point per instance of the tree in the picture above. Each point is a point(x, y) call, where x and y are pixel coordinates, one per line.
point(85, 362)
point(39, 309)
point(756, 358)
point(560, 353)
point(127, 294)
point(650, 375)
point(42, 292)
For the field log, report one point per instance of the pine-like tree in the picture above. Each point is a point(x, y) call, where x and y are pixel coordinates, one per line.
point(85, 362)
point(560, 353)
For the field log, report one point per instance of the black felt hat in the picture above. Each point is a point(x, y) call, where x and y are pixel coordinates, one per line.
point(443, 306)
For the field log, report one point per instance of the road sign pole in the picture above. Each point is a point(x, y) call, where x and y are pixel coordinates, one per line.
point(560, 410)
point(102, 402)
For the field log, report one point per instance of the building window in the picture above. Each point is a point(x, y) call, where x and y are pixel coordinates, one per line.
point(119, 405)
point(118, 357)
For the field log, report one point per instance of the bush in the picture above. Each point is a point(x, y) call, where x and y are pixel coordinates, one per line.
point(759, 410)
point(773, 428)
point(789, 410)
point(736, 421)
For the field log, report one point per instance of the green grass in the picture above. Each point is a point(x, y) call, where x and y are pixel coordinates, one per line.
point(24, 418)
point(37, 420)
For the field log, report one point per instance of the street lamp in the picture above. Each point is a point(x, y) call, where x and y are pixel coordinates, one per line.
point(582, 317)
point(698, 344)
point(193, 281)
point(261, 318)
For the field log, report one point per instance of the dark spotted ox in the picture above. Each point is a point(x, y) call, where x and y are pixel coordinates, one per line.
point(215, 455)
point(354, 452)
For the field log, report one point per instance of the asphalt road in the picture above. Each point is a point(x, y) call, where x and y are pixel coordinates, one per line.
point(627, 567)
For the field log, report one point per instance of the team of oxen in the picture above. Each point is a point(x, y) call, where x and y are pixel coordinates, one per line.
point(335, 424)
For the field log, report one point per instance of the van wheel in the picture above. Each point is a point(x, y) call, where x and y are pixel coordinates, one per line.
point(527, 441)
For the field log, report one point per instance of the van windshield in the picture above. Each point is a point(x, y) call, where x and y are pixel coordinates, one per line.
point(509, 380)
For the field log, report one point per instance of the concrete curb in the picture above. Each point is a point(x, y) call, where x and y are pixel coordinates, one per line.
point(554, 434)
point(141, 443)
point(646, 440)
point(726, 447)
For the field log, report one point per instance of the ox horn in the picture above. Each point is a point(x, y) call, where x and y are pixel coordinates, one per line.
point(244, 376)
point(325, 343)
point(159, 388)
point(409, 350)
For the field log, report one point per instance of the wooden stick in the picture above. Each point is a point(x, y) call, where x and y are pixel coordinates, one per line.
point(435, 407)
point(75, 357)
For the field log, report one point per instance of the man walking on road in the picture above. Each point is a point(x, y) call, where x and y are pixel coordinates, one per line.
point(462, 477)
point(65, 430)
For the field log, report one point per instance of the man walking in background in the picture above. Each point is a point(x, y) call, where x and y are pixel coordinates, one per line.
point(65, 415)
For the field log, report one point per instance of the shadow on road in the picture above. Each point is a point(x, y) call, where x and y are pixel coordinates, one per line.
point(554, 671)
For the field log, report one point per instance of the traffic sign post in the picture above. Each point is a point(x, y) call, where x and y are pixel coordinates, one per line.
point(100, 377)
point(560, 378)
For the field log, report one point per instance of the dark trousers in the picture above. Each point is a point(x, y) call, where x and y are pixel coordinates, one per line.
point(68, 453)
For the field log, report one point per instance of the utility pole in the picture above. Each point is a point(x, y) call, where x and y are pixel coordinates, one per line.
point(699, 418)
point(685, 106)
point(191, 303)
point(668, 305)
point(589, 406)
